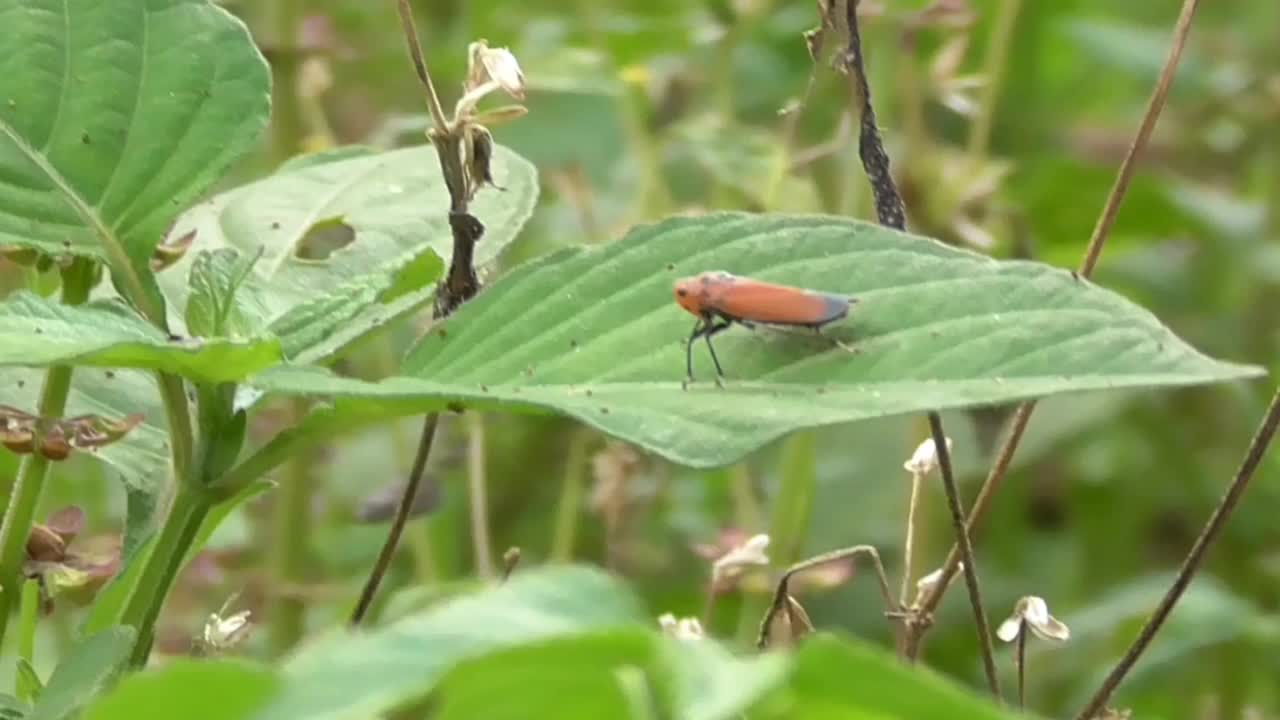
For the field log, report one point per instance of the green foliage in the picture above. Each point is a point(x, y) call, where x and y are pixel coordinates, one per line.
point(107, 132)
point(934, 327)
point(210, 690)
point(83, 674)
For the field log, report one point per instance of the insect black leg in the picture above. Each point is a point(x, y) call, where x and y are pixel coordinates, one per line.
point(711, 329)
point(698, 328)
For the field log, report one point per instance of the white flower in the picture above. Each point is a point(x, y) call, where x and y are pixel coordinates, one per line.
point(926, 584)
point(750, 552)
point(925, 458)
point(221, 633)
point(497, 65)
point(1034, 612)
point(681, 629)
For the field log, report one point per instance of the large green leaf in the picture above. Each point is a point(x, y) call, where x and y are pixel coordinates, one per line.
point(35, 331)
point(364, 674)
point(596, 335)
point(339, 235)
point(209, 690)
point(114, 116)
point(844, 680)
point(83, 673)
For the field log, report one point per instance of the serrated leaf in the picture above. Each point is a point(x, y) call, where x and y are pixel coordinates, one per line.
point(334, 232)
point(596, 335)
point(83, 673)
point(37, 332)
point(114, 116)
point(362, 674)
point(206, 690)
point(216, 306)
point(28, 681)
point(112, 394)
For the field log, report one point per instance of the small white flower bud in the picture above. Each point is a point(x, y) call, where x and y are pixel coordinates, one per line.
point(750, 552)
point(1034, 612)
point(925, 458)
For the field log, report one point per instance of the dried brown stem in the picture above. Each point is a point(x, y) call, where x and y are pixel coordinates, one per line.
point(780, 593)
point(1020, 660)
point(966, 552)
point(1195, 558)
point(1097, 242)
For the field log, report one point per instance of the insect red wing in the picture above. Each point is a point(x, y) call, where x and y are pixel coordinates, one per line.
point(767, 303)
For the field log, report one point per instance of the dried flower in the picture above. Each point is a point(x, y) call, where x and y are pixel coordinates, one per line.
point(496, 65)
point(223, 633)
point(686, 629)
point(925, 458)
point(1033, 612)
point(925, 585)
point(750, 552)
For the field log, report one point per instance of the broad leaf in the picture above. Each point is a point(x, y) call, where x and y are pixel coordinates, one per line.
point(843, 680)
point(596, 335)
point(220, 690)
point(216, 306)
point(39, 332)
point(114, 116)
point(83, 673)
point(364, 674)
point(113, 394)
point(338, 235)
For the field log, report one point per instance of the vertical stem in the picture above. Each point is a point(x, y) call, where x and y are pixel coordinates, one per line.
point(1020, 659)
point(966, 552)
point(569, 508)
point(477, 490)
point(286, 108)
point(909, 544)
point(997, 57)
point(28, 488)
point(289, 547)
point(29, 614)
point(792, 509)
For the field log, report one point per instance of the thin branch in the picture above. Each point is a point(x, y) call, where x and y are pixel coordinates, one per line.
point(966, 551)
point(477, 485)
point(1195, 558)
point(780, 593)
point(420, 64)
point(1020, 660)
point(1097, 241)
point(397, 525)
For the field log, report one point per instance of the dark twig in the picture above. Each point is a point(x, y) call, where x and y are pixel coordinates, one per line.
point(1195, 557)
point(397, 525)
point(966, 552)
point(459, 285)
point(780, 594)
point(1097, 241)
point(1020, 660)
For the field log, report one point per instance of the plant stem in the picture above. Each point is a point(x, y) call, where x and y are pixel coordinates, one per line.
point(997, 57)
point(1101, 231)
point(569, 508)
point(792, 509)
point(383, 562)
point(966, 552)
point(289, 547)
point(286, 110)
point(190, 506)
point(909, 544)
point(477, 490)
point(1195, 557)
point(1020, 660)
point(28, 488)
point(29, 614)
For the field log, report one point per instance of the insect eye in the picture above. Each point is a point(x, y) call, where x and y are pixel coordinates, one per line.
point(682, 292)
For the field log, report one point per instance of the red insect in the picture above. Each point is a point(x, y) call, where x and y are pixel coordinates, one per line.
point(719, 300)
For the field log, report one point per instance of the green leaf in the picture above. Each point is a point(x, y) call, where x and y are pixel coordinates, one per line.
point(845, 680)
point(216, 308)
point(711, 684)
point(28, 680)
point(11, 708)
point(205, 690)
point(39, 332)
point(83, 673)
point(596, 335)
point(112, 394)
point(363, 674)
point(114, 117)
point(334, 234)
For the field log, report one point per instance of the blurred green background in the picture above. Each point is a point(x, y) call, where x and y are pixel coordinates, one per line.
point(643, 108)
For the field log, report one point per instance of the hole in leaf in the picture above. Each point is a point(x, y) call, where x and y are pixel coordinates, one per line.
point(324, 239)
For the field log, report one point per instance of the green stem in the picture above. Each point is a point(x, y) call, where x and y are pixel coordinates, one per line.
point(792, 510)
point(287, 126)
point(190, 507)
point(289, 548)
point(997, 57)
point(570, 506)
point(27, 621)
point(77, 282)
point(477, 491)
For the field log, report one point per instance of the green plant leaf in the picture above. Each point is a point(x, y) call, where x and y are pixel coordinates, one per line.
point(334, 233)
point(11, 708)
point(112, 394)
point(83, 673)
point(216, 308)
point(28, 681)
point(596, 335)
point(35, 332)
point(364, 674)
point(114, 117)
point(845, 680)
point(205, 690)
